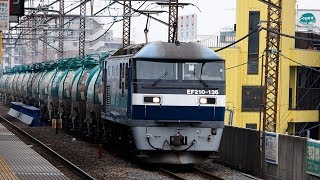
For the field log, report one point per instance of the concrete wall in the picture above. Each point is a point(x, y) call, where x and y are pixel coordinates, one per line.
point(240, 149)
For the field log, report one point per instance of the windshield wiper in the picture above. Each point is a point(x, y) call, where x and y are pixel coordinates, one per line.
point(202, 81)
point(159, 79)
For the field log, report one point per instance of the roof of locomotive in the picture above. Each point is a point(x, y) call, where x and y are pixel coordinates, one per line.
point(178, 51)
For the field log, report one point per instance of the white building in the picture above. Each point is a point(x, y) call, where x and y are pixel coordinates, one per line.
point(97, 39)
point(187, 28)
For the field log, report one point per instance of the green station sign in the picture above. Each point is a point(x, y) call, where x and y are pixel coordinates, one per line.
point(307, 18)
point(313, 157)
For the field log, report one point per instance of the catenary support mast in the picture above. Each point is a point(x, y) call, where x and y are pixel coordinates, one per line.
point(271, 78)
point(126, 23)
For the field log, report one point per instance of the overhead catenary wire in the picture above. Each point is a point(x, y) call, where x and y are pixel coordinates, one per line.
point(107, 30)
point(115, 21)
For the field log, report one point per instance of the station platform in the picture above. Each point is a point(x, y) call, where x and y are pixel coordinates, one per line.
point(19, 161)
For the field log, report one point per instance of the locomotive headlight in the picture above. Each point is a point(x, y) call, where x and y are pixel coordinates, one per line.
point(156, 99)
point(152, 99)
point(203, 100)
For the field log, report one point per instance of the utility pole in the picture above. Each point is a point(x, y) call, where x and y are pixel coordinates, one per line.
point(45, 38)
point(44, 45)
point(271, 78)
point(173, 20)
point(82, 29)
point(126, 23)
point(34, 37)
point(61, 25)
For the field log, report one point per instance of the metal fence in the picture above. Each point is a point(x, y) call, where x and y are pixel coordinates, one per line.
point(221, 39)
point(216, 40)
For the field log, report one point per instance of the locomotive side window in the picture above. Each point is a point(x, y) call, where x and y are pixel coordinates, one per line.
point(126, 76)
point(120, 78)
point(117, 70)
point(123, 70)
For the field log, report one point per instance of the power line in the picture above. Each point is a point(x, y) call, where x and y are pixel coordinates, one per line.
point(105, 31)
point(309, 67)
point(290, 36)
point(114, 23)
point(249, 62)
point(299, 132)
point(259, 29)
point(281, 121)
point(302, 83)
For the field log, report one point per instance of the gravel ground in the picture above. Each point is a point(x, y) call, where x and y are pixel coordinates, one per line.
point(110, 166)
point(224, 172)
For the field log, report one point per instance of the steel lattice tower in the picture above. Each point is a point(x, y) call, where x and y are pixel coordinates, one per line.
point(34, 37)
point(44, 45)
point(173, 20)
point(82, 29)
point(272, 65)
point(61, 32)
point(126, 23)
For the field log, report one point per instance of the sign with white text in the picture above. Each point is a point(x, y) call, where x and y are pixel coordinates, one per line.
point(271, 147)
point(313, 157)
point(4, 15)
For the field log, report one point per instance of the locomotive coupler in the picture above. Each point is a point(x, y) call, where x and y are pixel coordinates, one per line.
point(178, 140)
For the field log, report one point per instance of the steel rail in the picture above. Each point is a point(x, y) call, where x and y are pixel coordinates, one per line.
point(172, 174)
point(200, 172)
point(206, 174)
point(75, 168)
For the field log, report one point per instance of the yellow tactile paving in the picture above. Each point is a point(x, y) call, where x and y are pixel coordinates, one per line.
point(20, 161)
point(6, 172)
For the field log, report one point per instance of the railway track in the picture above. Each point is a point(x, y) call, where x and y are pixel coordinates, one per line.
point(54, 154)
point(192, 174)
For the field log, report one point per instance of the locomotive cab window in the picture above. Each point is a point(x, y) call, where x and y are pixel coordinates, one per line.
point(155, 70)
point(203, 71)
point(177, 74)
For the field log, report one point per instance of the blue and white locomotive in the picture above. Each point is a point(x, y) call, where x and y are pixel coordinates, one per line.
point(166, 99)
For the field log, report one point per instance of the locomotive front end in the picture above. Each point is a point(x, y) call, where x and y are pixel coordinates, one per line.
point(178, 102)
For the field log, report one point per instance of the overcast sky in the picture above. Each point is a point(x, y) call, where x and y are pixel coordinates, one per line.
point(212, 18)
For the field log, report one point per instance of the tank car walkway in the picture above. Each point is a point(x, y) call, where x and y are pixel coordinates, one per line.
point(19, 161)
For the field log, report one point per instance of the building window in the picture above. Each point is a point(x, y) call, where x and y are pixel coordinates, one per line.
point(251, 98)
point(308, 88)
point(253, 44)
point(251, 125)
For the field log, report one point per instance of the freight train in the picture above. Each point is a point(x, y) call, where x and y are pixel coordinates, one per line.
point(165, 101)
